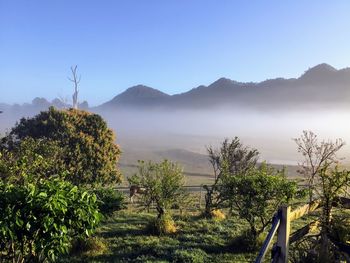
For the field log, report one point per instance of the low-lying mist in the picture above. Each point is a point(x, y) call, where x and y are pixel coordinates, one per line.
point(270, 132)
point(141, 132)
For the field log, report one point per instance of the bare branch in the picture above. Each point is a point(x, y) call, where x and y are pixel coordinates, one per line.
point(316, 155)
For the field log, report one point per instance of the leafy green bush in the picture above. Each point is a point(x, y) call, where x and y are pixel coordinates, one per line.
point(109, 200)
point(194, 255)
point(38, 221)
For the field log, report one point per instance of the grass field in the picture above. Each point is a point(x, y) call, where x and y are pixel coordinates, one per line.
point(197, 238)
point(125, 237)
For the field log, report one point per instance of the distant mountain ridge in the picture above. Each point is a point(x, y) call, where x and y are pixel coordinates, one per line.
point(320, 85)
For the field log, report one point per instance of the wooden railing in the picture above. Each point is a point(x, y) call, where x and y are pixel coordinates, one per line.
point(281, 224)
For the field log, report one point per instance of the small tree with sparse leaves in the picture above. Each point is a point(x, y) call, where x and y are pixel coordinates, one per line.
point(163, 183)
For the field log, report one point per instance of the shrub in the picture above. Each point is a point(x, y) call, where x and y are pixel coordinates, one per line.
point(218, 215)
point(163, 183)
point(91, 246)
point(247, 242)
point(109, 200)
point(256, 195)
point(194, 255)
point(90, 154)
point(163, 225)
point(38, 221)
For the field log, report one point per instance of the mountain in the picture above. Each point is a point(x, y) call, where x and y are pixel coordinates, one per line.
point(138, 96)
point(322, 85)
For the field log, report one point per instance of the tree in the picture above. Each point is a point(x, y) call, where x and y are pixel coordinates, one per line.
point(256, 194)
point(89, 153)
point(75, 79)
point(316, 155)
point(333, 182)
point(232, 157)
point(333, 221)
point(163, 183)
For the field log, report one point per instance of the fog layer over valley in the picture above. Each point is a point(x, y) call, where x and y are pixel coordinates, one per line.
point(271, 133)
point(184, 135)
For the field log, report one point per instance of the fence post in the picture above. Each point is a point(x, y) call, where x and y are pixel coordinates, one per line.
point(283, 234)
point(200, 197)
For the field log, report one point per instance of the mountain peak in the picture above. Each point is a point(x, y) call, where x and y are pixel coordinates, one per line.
point(320, 69)
point(222, 82)
point(137, 95)
point(143, 91)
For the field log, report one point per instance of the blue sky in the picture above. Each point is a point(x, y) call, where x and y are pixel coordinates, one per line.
point(169, 45)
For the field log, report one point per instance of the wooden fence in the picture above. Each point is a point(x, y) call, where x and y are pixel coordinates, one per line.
point(198, 189)
point(281, 224)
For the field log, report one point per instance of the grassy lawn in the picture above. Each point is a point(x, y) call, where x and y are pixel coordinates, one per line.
point(127, 240)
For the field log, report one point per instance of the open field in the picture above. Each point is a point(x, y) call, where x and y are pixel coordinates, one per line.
point(196, 166)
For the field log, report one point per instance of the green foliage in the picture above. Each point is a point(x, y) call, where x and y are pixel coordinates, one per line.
point(333, 182)
point(163, 183)
point(256, 194)
point(89, 154)
point(340, 229)
point(195, 255)
point(232, 156)
point(109, 200)
point(38, 221)
point(26, 161)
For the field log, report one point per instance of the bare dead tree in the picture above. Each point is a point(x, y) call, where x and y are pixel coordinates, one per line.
point(75, 79)
point(63, 100)
point(316, 156)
